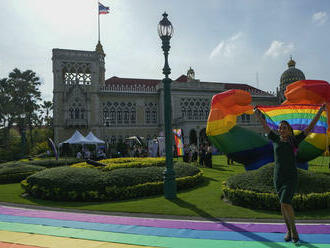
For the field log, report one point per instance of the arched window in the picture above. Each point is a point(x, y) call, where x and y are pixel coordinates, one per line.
point(133, 116)
point(126, 116)
point(183, 111)
point(71, 113)
point(82, 114)
point(196, 114)
point(189, 114)
point(154, 116)
point(147, 115)
point(112, 116)
point(201, 114)
point(76, 113)
point(119, 116)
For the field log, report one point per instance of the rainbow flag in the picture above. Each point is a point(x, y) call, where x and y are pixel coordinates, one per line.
point(178, 141)
point(299, 117)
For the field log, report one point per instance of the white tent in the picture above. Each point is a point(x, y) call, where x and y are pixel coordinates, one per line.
point(92, 139)
point(76, 138)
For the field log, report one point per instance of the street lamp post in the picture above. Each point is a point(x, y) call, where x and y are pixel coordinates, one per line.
point(165, 31)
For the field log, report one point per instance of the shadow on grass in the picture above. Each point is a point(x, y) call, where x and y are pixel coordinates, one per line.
point(234, 228)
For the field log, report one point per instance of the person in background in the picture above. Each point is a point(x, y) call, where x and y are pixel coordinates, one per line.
point(202, 154)
point(208, 157)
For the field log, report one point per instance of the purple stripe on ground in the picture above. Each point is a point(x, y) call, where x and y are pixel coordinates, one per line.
point(166, 223)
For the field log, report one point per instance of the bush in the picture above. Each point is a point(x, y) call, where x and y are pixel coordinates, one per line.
point(255, 189)
point(40, 147)
point(116, 163)
point(90, 184)
point(261, 180)
point(16, 172)
point(50, 163)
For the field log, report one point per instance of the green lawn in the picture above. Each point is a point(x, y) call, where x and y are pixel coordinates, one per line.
point(205, 200)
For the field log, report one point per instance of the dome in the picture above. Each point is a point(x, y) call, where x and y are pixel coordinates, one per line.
point(291, 75)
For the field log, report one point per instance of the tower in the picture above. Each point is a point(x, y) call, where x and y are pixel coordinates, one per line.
point(78, 76)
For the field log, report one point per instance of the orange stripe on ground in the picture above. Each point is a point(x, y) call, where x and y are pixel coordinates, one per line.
point(11, 245)
point(27, 240)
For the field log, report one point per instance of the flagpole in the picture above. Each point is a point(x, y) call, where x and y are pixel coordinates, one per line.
point(98, 20)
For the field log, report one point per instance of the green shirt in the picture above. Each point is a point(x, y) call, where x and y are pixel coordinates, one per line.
point(284, 156)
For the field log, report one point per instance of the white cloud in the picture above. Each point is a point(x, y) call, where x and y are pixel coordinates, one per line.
point(278, 48)
point(227, 47)
point(320, 18)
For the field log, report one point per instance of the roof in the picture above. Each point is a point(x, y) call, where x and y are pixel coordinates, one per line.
point(131, 81)
point(182, 79)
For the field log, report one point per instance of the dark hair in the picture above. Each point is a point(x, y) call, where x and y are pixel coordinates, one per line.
point(292, 139)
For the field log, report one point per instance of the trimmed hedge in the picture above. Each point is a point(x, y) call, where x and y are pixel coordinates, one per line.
point(13, 173)
point(116, 163)
point(255, 189)
point(90, 184)
point(16, 171)
point(50, 163)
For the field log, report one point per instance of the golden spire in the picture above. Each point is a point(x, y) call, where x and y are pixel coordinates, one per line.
point(99, 48)
point(291, 62)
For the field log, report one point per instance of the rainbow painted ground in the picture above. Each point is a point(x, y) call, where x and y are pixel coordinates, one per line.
point(21, 227)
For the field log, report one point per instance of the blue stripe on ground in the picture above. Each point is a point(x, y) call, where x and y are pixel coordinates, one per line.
point(166, 232)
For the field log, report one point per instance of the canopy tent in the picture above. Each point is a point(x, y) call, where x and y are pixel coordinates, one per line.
point(92, 139)
point(76, 138)
point(137, 139)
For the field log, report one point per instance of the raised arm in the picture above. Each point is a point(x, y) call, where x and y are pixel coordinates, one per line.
point(314, 121)
point(262, 120)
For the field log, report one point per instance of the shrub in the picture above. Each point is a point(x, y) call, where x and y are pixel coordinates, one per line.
point(116, 163)
point(70, 183)
point(16, 172)
point(255, 189)
point(40, 147)
point(50, 163)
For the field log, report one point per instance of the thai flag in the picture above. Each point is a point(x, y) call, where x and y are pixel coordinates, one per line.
point(103, 9)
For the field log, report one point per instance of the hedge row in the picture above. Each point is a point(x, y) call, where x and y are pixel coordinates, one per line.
point(87, 184)
point(261, 181)
point(270, 201)
point(13, 173)
point(16, 171)
point(115, 163)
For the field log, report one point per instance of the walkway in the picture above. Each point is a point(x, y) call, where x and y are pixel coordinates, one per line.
point(23, 227)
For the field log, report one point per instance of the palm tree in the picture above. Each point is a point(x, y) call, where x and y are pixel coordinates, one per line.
point(47, 107)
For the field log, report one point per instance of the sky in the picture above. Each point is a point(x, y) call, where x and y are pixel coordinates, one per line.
point(227, 41)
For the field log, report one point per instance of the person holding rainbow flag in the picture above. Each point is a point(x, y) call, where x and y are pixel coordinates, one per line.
point(285, 172)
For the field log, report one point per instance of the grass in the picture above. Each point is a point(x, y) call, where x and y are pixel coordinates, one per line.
point(204, 200)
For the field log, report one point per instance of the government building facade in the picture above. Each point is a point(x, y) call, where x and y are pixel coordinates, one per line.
point(117, 108)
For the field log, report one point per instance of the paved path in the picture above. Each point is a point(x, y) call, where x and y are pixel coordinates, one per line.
point(25, 227)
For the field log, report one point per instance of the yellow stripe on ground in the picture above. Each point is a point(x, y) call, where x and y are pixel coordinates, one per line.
point(56, 242)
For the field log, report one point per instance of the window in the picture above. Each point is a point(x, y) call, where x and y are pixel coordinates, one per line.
point(71, 113)
point(76, 113)
point(112, 116)
point(133, 116)
point(119, 116)
point(154, 116)
point(126, 116)
point(82, 113)
point(147, 115)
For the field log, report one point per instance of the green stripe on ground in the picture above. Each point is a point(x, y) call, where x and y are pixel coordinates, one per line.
point(142, 239)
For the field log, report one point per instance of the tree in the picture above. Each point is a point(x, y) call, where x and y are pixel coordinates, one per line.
point(47, 108)
point(24, 92)
point(7, 109)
